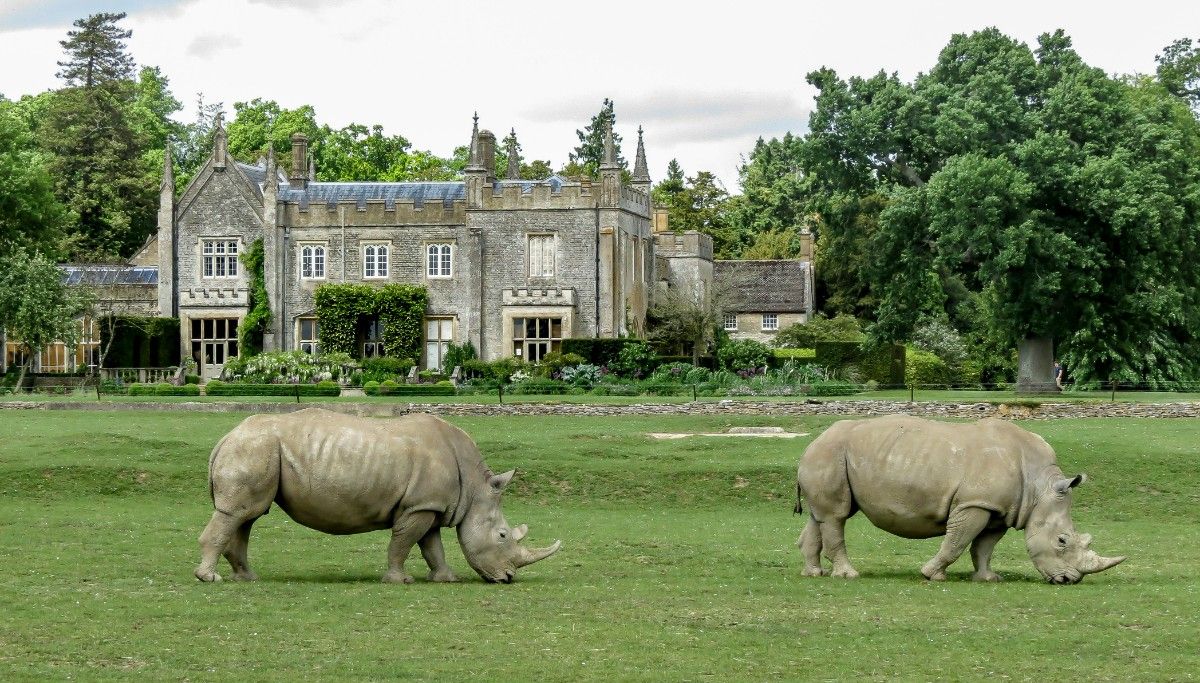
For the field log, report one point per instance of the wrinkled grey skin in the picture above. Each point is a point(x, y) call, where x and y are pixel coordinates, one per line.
point(920, 478)
point(346, 475)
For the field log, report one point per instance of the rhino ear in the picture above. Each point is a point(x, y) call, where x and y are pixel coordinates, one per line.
point(499, 481)
point(1062, 485)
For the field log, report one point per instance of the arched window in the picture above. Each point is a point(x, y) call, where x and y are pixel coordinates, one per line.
point(312, 262)
point(375, 260)
point(438, 260)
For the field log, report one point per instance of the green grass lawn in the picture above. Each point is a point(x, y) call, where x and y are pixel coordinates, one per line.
point(678, 564)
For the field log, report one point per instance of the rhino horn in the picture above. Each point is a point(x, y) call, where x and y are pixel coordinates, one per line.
point(1094, 563)
point(528, 556)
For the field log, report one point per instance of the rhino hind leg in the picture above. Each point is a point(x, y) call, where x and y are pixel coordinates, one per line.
point(435, 556)
point(407, 529)
point(981, 554)
point(237, 552)
point(213, 541)
point(962, 528)
point(833, 542)
point(810, 545)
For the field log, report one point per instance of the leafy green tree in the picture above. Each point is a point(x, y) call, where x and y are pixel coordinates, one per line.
point(526, 170)
point(30, 214)
point(1025, 192)
point(587, 157)
point(194, 143)
point(260, 123)
point(1179, 71)
point(818, 329)
point(36, 307)
point(96, 150)
point(682, 317)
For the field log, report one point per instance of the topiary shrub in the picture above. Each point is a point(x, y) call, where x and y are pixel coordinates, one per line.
point(743, 355)
point(384, 368)
point(636, 360)
point(371, 388)
point(925, 368)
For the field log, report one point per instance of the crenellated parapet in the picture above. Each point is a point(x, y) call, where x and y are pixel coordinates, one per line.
point(687, 244)
point(376, 212)
point(538, 296)
point(553, 193)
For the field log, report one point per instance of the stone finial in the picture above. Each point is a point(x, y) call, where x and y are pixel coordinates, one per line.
point(220, 140)
point(168, 180)
point(474, 162)
point(640, 172)
point(610, 150)
point(514, 162)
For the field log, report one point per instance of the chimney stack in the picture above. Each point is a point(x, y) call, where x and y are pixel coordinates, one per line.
point(299, 175)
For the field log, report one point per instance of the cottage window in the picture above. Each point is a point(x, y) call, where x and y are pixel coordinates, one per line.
point(439, 332)
point(438, 260)
point(375, 261)
point(770, 322)
point(312, 262)
point(541, 256)
point(373, 339)
point(730, 322)
point(219, 258)
point(533, 338)
point(308, 340)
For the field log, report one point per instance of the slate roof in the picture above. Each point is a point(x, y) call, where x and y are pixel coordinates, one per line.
point(109, 275)
point(555, 182)
point(765, 286)
point(256, 174)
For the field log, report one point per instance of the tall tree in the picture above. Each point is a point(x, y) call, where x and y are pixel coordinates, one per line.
point(96, 151)
point(194, 144)
point(527, 170)
point(260, 123)
point(587, 157)
point(30, 214)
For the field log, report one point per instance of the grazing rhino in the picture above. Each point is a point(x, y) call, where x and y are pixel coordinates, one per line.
point(345, 475)
point(919, 479)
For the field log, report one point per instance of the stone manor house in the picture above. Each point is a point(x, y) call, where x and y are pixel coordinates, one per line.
point(513, 266)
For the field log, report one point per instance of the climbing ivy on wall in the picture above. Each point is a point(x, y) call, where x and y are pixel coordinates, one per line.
point(250, 334)
point(401, 310)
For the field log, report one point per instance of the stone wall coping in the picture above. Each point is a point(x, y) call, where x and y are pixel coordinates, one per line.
point(865, 408)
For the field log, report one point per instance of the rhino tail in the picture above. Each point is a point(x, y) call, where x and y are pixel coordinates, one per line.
point(798, 509)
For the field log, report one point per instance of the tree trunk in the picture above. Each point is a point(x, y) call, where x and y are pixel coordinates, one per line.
point(24, 368)
point(1035, 366)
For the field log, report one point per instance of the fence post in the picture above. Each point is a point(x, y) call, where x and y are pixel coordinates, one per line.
point(500, 391)
point(693, 392)
point(297, 393)
point(1114, 391)
point(912, 393)
point(98, 389)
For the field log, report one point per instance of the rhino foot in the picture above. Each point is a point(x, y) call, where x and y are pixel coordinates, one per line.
point(397, 577)
point(244, 576)
point(933, 574)
point(989, 576)
point(443, 577)
point(845, 573)
point(208, 576)
point(814, 571)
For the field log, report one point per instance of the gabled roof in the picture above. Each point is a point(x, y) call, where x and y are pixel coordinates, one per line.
point(777, 286)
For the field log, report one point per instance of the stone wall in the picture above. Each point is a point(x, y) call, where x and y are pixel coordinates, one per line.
point(933, 409)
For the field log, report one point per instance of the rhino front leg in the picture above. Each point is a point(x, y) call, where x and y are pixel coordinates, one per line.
point(964, 525)
point(435, 556)
point(213, 540)
point(407, 529)
point(981, 554)
point(833, 542)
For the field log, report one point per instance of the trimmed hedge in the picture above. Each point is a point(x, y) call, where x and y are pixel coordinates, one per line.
point(162, 389)
point(390, 388)
point(706, 362)
point(883, 364)
point(219, 388)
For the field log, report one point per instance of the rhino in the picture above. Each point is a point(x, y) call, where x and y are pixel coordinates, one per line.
point(969, 482)
point(346, 475)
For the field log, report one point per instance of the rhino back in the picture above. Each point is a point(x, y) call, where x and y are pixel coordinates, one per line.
point(343, 474)
point(906, 474)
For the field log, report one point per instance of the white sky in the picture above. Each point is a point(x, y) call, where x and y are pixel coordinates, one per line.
point(704, 78)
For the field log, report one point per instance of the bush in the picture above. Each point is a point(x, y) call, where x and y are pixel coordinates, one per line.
point(285, 367)
point(884, 363)
point(537, 386)
point(383, 368)
point(191, 379)
point(502, 369)
point(743, 354)
point(457, 355)
point(160, 389)
point(583, 375)
point(390, 388)
point(707, 362)
point(476, 368)
point(636, 360)
point(925, 368)
point(387, 387)
point(615, 390)
point(371, 388)
point(832, 389)
point(554, 363)
point(820, 328)
point(603, 352)
point(682, 373)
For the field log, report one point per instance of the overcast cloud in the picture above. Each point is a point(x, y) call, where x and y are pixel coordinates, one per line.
point(705, 79)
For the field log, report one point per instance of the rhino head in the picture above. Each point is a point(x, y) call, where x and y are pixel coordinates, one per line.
point(1060, 554)
point(491, 546)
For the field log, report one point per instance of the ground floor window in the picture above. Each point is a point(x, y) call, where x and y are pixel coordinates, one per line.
point(307, 339)
point(54, 358)
point(731, 322)
point(373, 339)
point(770, 321)
point(533, 338)
point(214, 340)
point(87, 352)
point(439, 332)
point(15, 354)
